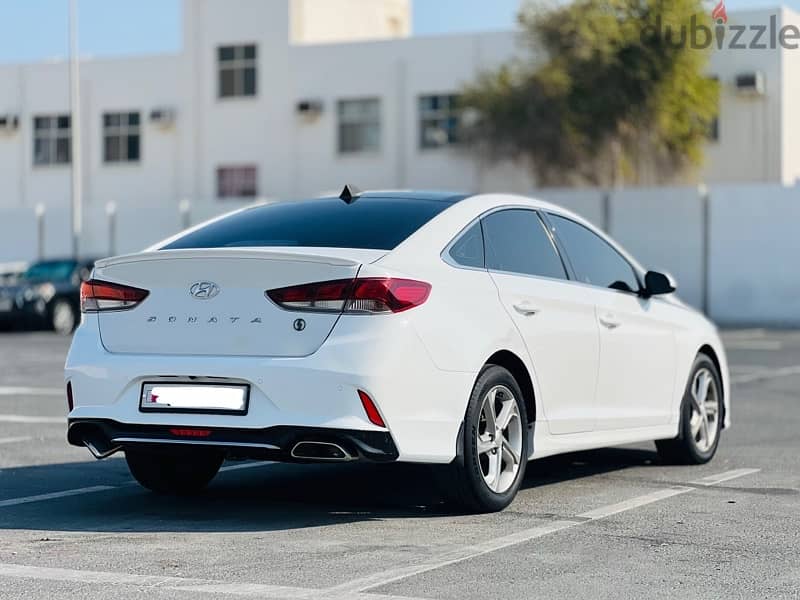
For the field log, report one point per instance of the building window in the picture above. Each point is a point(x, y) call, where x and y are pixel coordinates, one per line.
point(237, 71)
point(52, 140)
point(237, 181)
point(713, 130)
point(122, 138)
point(359, 125)
point(439, 118)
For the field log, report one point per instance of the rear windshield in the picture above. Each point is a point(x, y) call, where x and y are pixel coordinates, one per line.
point(368, 223)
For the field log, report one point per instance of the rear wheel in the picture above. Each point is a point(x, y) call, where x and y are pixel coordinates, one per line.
point(701, 417)
point(489, 470)
point(63, 317)
point(173, 473)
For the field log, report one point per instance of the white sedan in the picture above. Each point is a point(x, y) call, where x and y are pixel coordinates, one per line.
point(473, 332)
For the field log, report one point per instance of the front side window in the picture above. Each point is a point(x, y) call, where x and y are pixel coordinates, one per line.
point(468, 249)
point(237, 71)
point(517, 242)
point(239, 181)
point(52, 139)
point(121, 137)
point(359, 125)
point(595, 261)
point(439, 118)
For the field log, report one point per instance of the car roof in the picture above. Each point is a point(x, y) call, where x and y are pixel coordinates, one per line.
point(436, 195)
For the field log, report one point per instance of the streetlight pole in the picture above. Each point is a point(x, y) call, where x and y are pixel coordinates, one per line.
point(76, 206)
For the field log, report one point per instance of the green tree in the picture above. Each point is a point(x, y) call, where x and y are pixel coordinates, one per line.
point(612, 93)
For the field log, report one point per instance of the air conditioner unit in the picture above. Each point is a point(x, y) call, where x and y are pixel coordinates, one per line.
point(9, 123)
point(751, 84)
point(163, 116)
point(310, 108)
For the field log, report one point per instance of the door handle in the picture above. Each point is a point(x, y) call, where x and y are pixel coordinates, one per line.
point(526, 309)
point(609, 321)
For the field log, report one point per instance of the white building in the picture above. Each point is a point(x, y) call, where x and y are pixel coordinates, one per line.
point(287, 98)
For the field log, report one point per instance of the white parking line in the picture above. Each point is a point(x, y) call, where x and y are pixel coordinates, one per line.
point(469, 552)
point(250, 465)
point(766, 374)
point(723, 477)
point(31, 419)
point(177, 584)
point(30, 391)
point(14, 440)
point(769, 345)
point(102, 488)
point(53, 495)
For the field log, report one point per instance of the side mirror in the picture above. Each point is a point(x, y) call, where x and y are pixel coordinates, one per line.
point(659, 284)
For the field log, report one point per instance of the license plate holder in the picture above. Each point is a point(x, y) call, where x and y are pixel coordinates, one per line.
point(199, 398)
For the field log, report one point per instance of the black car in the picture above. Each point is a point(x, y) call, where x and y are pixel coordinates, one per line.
point(47, 295)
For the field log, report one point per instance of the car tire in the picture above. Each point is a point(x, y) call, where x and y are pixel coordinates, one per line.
point(63, 317)
point(175, 474)
point(480, 481)
point(702, 415)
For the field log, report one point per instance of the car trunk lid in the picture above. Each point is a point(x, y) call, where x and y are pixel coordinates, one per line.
point(211, 302)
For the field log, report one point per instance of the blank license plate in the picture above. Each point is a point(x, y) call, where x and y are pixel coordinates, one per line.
point(197, 398)
point(6, 304)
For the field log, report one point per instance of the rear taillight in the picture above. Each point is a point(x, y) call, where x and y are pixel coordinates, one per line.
point(98, 296)
point(357, 296)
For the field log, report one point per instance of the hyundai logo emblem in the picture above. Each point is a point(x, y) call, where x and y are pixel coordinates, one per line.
point(204, 290)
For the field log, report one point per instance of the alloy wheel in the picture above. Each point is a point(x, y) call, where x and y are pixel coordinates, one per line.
point(704, 422)
point(499, 441)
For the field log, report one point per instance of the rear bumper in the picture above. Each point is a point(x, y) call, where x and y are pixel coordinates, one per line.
point(105, 437)
point(421, 405)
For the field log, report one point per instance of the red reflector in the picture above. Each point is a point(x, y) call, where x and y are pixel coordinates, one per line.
point(101, 295)
point(70, 402)
point(372, 411)
point(194, 433)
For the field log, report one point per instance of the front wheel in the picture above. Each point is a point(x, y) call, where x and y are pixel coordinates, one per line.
point(177, 474)
point(701, 417)
point(491, 465)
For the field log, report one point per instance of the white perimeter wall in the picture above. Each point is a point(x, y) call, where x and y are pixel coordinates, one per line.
point(753, 244)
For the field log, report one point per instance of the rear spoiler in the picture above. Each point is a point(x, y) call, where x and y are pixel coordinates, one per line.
point(333, 256)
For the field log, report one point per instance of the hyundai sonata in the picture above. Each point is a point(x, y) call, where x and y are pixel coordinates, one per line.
point(473, 332)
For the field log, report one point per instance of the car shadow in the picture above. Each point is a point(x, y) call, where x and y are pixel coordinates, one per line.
point(269, 497)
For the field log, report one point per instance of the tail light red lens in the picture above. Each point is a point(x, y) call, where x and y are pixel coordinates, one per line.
point(356, 296)
point(98, 296)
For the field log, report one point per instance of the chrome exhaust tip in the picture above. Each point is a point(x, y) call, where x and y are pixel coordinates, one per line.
point(322, 451)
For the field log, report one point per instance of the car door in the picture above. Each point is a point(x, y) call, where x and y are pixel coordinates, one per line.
point(553, 316)
point(637, 339)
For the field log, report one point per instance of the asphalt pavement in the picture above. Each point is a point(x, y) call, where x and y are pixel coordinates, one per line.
point(612, 523)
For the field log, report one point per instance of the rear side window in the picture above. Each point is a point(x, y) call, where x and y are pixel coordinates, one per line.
point(368, 223)
point(595, 261)
point(517, 242)
point(468, 249)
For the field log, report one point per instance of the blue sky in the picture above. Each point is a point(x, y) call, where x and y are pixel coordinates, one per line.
point(115, 27)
